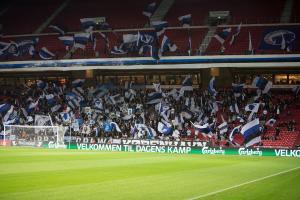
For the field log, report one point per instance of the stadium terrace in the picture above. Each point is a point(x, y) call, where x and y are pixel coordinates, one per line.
point(163, 99)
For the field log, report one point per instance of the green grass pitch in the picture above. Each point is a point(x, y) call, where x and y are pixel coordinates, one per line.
point(27, 173)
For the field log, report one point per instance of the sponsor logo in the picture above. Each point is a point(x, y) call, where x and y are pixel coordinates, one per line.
point(213, 151)
point(249, 152)
point(54, 145)
point(275, 37)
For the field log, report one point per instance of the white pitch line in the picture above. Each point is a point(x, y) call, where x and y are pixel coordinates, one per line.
point(242, 184)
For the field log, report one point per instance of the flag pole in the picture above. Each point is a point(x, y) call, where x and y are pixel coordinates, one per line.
point(190, 41)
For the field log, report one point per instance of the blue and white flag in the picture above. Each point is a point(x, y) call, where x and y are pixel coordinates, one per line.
point(187, 85)
point(203, 128)
point(79, 92)
point(185, 20)
point(154, 98)
point(237, 89)
point(147, 38)
point(65, 116)
point(55, 108)
point(167, 45)
point(253, 107)
point(57, 29)
point(222, 36)
point(78, 82)
point(149, 10)
point(118, 50)
point(234, 108)
point(263, 84)
point(41, 84)
point(10, 49)
point(271, 122)
point(187, 114)
point(26, 47)
point(130, 38)
point(89, 23)
point(237, 32)
point(68, 41)
point(251, 132)
point(159, 26)
point(4, 108)
point(115, 126)
point(151, 133)
point(8, 113)
point(81, 39)
point(157, 87)
point(50, 99)
point(32, 106)
point(211, 87)
point(164, 128)
point(223, 128)
point(46, 54)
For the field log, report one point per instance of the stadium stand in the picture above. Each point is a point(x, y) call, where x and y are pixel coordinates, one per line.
point(24, 17)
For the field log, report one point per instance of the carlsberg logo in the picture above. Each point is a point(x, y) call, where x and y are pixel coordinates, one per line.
point(250, 152)
point(213, 151)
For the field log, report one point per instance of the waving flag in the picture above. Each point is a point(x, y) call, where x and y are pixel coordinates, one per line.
point(234, 36)
point(223, 128)
point(57, 29)
point(115, 126)
point(151, 133)
point(237, 89)
point(251, 132)
point(203, 128)
point(187, 85)
point(55, 108)
point(41, 84)
point(185, 20)
point(154, 98)
point(46, 54)
point(166, 45)
point(118, 50)
point(146, 38)
point(222, 36)
point(4, 108)
point(68, 41)
point(8, 113)
point(90, 23)
point(234, 108)
point(32, 106)
point(159, 26)
point(149, 10)
point(78, 82)
point(211, 87)
point(81, 39)
point(65, 117)
point(271, 122)
point(253, 107)
point(10, 49)
point(165, 129)
point(262, 83)
point(157, 87)
point(26, 47)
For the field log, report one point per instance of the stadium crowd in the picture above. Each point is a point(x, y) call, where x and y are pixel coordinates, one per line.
point(146, 113)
